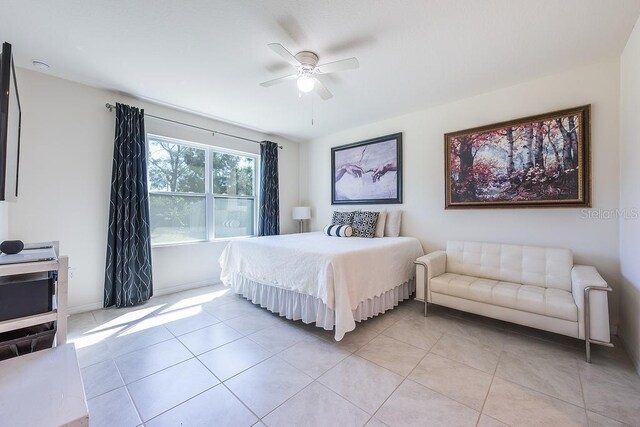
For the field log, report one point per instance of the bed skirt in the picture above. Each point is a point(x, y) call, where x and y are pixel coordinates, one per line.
point(309, 309)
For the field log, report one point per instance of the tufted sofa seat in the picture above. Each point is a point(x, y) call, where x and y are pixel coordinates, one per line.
point(533, 299)
point(532, 286)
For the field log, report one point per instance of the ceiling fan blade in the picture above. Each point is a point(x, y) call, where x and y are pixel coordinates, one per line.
point(342, 65)
point(284, 53)
point(278, 80)
point(322, 90)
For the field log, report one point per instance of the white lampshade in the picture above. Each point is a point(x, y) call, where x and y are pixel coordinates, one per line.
point(301, 212)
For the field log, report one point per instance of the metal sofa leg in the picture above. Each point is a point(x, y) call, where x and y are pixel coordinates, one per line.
point(587, 321)
point(587, 350)
point(424, 285)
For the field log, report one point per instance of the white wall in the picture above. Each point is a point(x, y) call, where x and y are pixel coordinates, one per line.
point(592, 241)
point(66, 155)
point(4, 221)
point(630, 195)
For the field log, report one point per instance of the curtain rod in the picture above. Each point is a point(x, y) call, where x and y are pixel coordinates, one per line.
point(110, 107)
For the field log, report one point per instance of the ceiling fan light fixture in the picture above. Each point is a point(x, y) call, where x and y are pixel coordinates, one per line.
point(305, 83)
point(308, 70)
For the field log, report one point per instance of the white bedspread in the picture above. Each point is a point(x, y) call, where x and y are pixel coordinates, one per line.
point(341, 272)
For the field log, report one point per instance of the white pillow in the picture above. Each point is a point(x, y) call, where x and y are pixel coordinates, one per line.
point(392, 224)
point(338, 230)
point(382, 219)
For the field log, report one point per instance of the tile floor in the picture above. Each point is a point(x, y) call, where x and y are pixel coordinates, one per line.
point(208, 357)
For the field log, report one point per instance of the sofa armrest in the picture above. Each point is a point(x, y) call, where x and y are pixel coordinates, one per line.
point(428, 266)
point(587, 277)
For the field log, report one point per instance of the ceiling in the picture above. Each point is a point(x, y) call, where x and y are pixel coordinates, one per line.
point(209, 56)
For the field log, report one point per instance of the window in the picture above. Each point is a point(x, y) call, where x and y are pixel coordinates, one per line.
point(199, 193)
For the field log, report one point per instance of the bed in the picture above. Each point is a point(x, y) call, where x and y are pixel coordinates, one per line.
point(330, 281)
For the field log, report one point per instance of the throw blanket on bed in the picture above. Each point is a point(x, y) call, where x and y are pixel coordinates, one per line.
point(340, 272)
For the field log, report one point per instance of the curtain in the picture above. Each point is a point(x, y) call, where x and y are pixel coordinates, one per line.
point(269, 220)
point(128, 279)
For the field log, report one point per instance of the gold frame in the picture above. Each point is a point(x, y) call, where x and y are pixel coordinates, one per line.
point(584, 162)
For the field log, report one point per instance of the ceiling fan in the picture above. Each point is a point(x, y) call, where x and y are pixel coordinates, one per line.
point(308, 70)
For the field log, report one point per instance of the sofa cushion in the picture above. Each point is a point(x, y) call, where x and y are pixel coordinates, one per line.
point(528, 265)
point(533, 299)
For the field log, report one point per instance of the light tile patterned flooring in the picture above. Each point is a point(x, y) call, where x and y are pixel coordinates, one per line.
point(208, 357)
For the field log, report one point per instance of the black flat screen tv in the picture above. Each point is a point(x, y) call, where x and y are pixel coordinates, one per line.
point(10, 121)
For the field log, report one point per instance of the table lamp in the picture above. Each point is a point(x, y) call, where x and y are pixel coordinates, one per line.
point(301, 213)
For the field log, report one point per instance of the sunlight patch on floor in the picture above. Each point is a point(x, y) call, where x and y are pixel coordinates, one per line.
point(90, 338)
point(197, 300)
point(161, 319)
point(131, 320)
point(128, 317)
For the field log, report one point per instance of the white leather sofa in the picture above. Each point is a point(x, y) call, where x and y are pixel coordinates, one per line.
point(532, 286)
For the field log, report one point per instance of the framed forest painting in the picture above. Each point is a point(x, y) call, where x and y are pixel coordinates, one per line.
point(367, 172)
point(538, 161)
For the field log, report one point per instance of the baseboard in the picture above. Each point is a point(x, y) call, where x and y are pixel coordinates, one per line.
point(184, 287)
point(156, 292)
point(84, 308)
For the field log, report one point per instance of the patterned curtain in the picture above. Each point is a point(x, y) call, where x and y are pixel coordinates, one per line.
point(128, 268)
point(269, 221)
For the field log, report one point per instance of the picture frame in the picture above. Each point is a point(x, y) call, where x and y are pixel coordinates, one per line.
point(541, 161)
point(367, 172)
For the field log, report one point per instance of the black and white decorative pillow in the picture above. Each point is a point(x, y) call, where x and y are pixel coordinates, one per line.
point(338, 230)
point(342, 218)
point(364, 224)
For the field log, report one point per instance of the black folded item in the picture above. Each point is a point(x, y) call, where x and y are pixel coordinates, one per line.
point(26, 340)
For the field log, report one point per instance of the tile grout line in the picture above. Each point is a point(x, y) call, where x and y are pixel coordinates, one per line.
point(198, 394)
point(316, 380)
point(241, 402)
point(404, 379)
point(495, 374)
point(127, 385)
point(345, 397)
point(223, 383)
point(181, 403)
point(486, 397)
point(293, 395)
point(584, 400)
point(540, 392)
point(454, 361)
point(587, 410)
point(607, 417)
point(273, 355)
point(194, 330)
point(135, 407)
point(288, 399)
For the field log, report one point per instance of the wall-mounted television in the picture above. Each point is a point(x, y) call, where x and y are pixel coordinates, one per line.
point(10, 121)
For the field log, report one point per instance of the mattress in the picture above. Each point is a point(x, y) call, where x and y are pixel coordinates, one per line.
point(340, 272)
